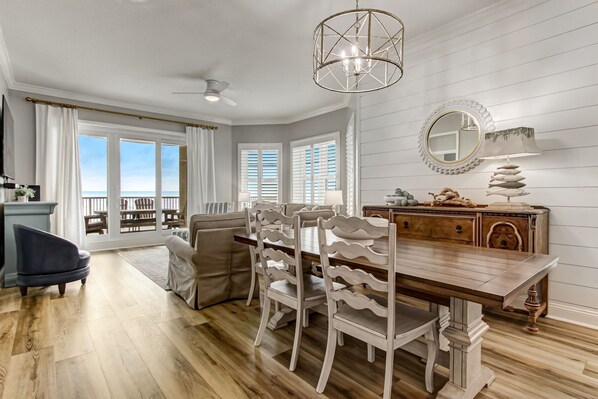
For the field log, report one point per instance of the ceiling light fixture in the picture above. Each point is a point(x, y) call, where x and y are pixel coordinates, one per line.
point(357, 51)
point(212, 97)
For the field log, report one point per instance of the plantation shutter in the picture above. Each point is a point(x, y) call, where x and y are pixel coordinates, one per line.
point(269, 184)
point(301, 171)
point(259, 167)
point(314, 171)
point(350, 159)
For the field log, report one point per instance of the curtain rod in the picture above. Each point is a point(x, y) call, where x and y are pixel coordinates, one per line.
point(64, 105)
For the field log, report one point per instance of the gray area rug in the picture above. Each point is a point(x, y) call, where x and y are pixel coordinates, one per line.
point(151, 261)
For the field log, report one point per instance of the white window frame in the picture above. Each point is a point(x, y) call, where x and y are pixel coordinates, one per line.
point(114, 133)
point(260, 147)
point(311, 141)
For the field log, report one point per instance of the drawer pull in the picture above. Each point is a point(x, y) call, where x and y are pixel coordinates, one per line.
point(405, 224)
point(459, 229)
point(375, 215)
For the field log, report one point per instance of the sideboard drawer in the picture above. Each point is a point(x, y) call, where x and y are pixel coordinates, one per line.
point(377, 213)
point(458, 229)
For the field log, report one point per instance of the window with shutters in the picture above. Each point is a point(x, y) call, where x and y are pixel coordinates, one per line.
point(350, 171)
point(259, 171)
point(314, 168)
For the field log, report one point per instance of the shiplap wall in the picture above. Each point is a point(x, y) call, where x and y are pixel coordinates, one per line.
point(530, 63)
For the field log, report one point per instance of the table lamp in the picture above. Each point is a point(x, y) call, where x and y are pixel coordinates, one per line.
point(507, 180)
point(334, 198)
point(244, 199)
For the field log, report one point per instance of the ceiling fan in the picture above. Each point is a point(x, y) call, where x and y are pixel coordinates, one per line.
point(213, 91)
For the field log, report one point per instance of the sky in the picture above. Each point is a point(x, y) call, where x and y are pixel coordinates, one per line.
point(138, 165)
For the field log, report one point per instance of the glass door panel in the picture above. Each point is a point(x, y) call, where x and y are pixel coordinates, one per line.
point(93, 152)
point(174, 185)
point(137, 186)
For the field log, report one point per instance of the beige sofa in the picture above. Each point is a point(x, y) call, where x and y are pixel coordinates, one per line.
point(212, 267)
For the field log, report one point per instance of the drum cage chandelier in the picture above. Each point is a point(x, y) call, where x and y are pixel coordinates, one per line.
point(357, 51)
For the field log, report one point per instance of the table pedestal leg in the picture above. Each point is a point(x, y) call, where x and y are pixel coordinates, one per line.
point(534, 307)
point(465, 332)
point(443, 323)
point(281, 318)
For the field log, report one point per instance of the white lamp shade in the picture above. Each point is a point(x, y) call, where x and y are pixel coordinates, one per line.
point(510, 143)
point(333, 197)
point(244, 197)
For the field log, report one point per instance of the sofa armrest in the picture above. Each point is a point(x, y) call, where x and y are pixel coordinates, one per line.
point(180, 248)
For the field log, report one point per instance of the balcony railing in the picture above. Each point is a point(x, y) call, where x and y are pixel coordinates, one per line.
point(94, 210)
point(93, 204)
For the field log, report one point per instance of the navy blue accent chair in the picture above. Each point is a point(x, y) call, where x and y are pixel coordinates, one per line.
point(45, 259)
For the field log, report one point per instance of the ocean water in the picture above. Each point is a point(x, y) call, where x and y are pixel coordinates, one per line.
point(131, 194)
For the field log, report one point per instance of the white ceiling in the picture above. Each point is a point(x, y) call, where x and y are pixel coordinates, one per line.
point(138, 52)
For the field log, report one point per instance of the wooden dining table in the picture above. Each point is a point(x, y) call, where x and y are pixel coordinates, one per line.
point(464, 278)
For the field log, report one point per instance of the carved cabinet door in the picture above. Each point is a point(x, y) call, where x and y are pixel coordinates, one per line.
point(511, 233)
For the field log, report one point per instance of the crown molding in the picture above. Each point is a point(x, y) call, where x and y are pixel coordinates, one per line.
point(115, 103)
point(5, 65)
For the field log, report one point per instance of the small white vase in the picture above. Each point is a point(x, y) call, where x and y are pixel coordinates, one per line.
point(22, 198)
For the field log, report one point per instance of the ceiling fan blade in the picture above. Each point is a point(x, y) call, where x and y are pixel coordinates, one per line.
point(223, 85)
point(187, 92)
point(228, 101)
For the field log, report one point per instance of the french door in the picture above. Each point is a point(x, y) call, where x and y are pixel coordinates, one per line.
point(133, 184)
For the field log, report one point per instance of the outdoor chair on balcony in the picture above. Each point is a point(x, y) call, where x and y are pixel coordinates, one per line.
point(95, 224)
point(143, 218)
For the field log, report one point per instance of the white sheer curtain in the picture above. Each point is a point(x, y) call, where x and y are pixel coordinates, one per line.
point(57, 168)
point(201, 171)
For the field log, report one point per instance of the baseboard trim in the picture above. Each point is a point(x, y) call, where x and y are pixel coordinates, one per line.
point(10, 280)
point(580, 315)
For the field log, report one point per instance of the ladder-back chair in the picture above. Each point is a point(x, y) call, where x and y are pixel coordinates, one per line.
point(376, 319)
point(290, 286)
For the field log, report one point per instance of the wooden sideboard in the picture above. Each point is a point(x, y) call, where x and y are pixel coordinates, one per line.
point(515, 230)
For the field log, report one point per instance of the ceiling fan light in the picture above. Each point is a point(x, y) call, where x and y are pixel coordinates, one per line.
point(212, 97)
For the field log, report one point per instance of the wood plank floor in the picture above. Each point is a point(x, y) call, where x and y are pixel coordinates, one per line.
point(122, 336)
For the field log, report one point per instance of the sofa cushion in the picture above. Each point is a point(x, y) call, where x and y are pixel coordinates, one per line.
point(204, 222)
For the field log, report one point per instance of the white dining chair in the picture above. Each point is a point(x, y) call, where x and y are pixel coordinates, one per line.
point(290, 287)
point(378, 320)
point(256, 268)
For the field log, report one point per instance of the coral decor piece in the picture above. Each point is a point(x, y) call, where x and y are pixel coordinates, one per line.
point(449, 197)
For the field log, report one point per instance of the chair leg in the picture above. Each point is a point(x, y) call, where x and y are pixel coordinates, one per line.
point(371, 353)
point(83, 281)
point(61, 288)
point(341, 339)
point(252, 287)
point(388, 372)
point(264, 322)
point(23, 290)
point(432, 341)
point(328, 357)
point(306, 318)
point(297, 340)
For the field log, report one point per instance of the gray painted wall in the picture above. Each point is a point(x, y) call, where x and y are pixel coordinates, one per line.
point(3, 192)
point(335, 121)
point(24, 115)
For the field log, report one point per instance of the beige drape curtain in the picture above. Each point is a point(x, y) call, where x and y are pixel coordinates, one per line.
point(57, 168)
point(201, 170)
